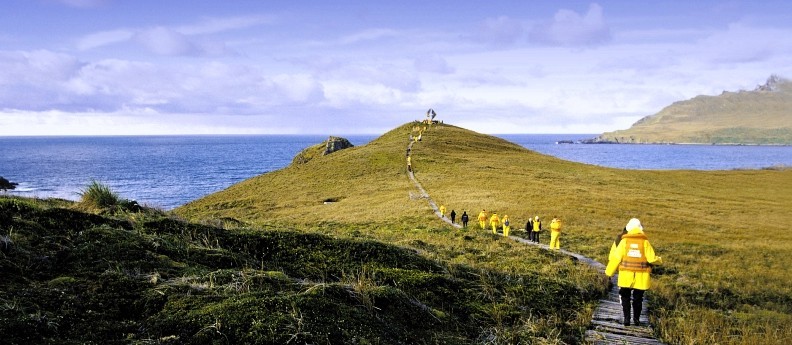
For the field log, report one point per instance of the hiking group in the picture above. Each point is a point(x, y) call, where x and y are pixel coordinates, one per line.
point(631, 254)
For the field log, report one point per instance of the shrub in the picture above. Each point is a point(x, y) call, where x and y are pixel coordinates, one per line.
point(98, 195)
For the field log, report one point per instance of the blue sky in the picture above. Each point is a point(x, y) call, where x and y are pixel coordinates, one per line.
point(113, 67)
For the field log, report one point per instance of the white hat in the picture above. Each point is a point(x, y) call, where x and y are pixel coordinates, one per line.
point(634, 224)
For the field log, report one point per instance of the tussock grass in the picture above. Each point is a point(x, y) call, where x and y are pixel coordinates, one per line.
point(723, 234)
point(99, 196)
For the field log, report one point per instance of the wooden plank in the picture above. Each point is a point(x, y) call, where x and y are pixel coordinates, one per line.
point(600, 338)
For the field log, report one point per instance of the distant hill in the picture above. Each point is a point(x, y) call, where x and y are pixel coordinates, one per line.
point(759, 117)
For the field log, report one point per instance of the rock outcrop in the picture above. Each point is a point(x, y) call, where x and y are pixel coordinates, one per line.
point(332, 144)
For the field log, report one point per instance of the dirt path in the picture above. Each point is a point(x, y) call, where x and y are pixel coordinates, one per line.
point(606, 324)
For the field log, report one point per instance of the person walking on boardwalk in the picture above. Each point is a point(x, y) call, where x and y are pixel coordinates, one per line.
point(453, 217)
point(555, 233)
point(506, 225)
point(632, 257)
point(409, 163)
point(482, 218)
point(442, 211)
point(494, 222)
point(464, 219)
point(534, 227)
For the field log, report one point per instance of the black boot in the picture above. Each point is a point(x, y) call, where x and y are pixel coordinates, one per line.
point(637, 305)
point(624, 298)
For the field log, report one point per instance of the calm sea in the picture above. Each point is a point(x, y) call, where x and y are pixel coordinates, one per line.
point(169, 171)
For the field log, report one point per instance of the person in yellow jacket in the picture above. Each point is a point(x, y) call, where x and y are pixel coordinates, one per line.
point(482, 218)
point(494, 222)
point(442, 211)
point(506, 225)
point(632, 257)
point(555, 232)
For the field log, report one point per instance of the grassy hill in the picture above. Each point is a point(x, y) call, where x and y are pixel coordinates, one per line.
point(723, 234)
point(762, 117)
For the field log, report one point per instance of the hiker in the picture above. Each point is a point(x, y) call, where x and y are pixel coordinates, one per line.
point(506, 226)
point(555, 232)
point(442, 211)
point(534, 227)
point(495, 221)
point(409, 163)
point(633, 257)
point(453, 216)
point(464, 219)
point(482, 218)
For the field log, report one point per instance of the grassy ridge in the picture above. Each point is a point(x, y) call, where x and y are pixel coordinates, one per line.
point(723, 234)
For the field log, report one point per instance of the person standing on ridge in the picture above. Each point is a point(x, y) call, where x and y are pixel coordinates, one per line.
point(555, 232)
point(506, 225)
point(464, 219)
point(534, 227)
point(632, 257)
point(495, 221)
point(442, 211)
point(482, 218)
point(453, 217)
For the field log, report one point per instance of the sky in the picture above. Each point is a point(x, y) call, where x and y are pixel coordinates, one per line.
point(157, 67)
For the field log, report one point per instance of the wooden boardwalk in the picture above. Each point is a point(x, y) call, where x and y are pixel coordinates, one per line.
point(606, 324)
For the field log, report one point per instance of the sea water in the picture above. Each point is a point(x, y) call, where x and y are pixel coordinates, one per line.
point(169, 171)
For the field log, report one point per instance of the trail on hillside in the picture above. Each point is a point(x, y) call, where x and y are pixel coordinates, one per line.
point(606, 325)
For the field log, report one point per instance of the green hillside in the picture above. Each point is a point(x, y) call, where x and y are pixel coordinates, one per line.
point(723, 234)
point(71, 277)
point(759, 117)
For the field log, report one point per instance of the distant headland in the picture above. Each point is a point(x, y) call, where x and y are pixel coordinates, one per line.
point(762, 116)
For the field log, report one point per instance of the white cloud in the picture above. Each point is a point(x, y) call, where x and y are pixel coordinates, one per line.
point(368, 35)
point(569, 28)
point(104, 38)
point(501, 31)
point(216, 25)
point(165, 41)
point(740, 43)
point(434, 64)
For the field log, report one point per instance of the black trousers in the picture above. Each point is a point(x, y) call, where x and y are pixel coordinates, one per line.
point(631, 299)
point(533, 236)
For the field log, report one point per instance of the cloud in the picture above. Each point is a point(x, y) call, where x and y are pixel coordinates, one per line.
point(368, 35)
point(433, 64)
point(567, 28)
point(183, 40)
point(164, 41)
point(103, 38)
point(216, 25)
point(744, 44)
point(500, 31)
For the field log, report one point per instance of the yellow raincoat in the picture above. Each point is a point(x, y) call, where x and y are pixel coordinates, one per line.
point(632, 278)
point(494, 221)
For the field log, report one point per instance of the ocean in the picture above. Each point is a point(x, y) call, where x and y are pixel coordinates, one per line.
point(169, 171)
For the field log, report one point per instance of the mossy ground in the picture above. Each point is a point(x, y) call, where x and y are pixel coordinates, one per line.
point(71, 277)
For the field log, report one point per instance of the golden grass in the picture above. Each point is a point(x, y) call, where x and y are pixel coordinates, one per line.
point(723, 235)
